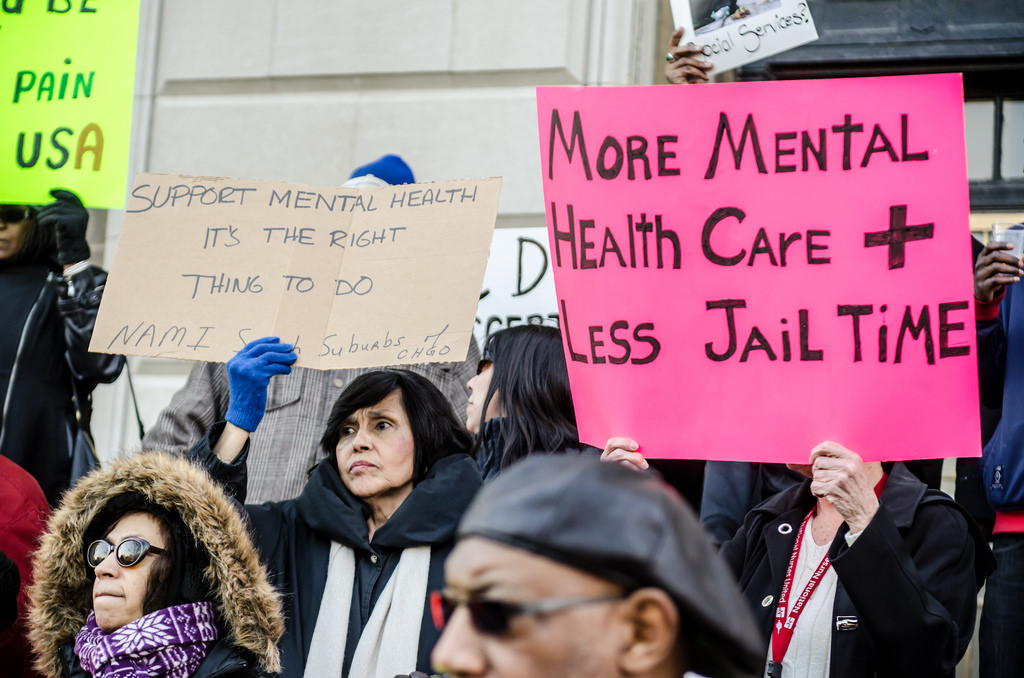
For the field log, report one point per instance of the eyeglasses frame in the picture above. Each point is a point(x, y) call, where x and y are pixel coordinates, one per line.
point(147, 549)
point(438, 599)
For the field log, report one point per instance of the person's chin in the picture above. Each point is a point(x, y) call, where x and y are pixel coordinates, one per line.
point(366, 479)
point(106, 618)
point(365, 487)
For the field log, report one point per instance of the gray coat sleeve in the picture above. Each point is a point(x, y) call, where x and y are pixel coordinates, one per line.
point(197, 406)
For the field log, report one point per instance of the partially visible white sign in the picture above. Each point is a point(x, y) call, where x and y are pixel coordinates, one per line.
point(518, 286)
point(737, 32)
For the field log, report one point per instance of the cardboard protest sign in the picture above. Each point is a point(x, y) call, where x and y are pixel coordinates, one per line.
point(68, 69)
point(767, 266)
point(734, 33)
point(518, 286)
point(352, 277)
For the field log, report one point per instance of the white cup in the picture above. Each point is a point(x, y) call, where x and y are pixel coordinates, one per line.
point(1005, 231)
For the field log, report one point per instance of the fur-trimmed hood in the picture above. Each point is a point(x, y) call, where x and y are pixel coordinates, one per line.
point(248, 606)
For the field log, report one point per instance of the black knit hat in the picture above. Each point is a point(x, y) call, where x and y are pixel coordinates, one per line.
point(628, 527)
point(186, 583)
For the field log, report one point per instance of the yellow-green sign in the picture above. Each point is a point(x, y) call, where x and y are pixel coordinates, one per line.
point(67, 76)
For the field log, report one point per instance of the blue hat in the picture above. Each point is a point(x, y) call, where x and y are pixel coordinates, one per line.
point(390, 168)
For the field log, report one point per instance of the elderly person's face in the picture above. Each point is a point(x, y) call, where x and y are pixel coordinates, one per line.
point(15, 224)
point(119, 591)
point(376, 452)
point(580, 640)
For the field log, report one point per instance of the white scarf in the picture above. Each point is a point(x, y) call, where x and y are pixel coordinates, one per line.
point(389, 643)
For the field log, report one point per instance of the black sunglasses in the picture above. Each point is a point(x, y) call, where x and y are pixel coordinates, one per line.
point(10, 214)
point(128, 553)
point(493, 617)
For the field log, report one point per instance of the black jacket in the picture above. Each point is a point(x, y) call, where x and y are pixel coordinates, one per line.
point(733, 488)
point(491, 449)
point(46, 327)
point(909, 583)
point(10, 585)
point(294, 538)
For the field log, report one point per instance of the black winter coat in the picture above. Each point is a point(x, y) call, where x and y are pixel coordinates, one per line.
point(907, 590)
point(46, 332)
point(294, 538)
point(491, 449)
point(10, 585)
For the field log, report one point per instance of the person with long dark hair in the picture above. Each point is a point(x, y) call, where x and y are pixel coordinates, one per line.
point(519, 401)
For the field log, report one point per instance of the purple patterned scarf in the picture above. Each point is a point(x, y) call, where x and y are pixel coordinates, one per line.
point(170, 642)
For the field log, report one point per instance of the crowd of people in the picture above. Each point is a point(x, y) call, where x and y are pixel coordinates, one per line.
point(446, 518)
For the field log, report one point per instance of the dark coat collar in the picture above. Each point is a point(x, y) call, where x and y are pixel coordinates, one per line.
point(491, 448)
point(427, 516)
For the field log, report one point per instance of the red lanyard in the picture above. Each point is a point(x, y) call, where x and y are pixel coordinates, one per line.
point(782, 632)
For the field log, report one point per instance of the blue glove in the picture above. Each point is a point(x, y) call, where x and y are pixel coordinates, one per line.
point(249, 374)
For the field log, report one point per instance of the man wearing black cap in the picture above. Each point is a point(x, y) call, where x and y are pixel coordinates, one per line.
point(566, 566)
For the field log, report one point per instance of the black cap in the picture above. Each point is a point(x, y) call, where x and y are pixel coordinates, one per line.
point(629, 527)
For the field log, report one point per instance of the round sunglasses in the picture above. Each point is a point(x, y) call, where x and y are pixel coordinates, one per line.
point(493, 617)
point(128, 553)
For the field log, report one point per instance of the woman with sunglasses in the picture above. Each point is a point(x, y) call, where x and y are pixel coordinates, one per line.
point(146, 569)
point(50, 299)
point(523, 372)
point(358, 551)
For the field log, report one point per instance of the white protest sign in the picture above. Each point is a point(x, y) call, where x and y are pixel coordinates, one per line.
point(733, 33)
point(519, 287)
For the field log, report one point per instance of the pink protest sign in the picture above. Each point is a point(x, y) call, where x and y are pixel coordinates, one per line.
point(745, 270)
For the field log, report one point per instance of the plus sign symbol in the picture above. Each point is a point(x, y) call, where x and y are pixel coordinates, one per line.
point(898, 235)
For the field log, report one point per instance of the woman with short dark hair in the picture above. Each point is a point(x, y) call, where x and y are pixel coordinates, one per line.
point(358, 551)
point(436, 430)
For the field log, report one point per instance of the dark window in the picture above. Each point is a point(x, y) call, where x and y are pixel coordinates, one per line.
point(983, 39)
